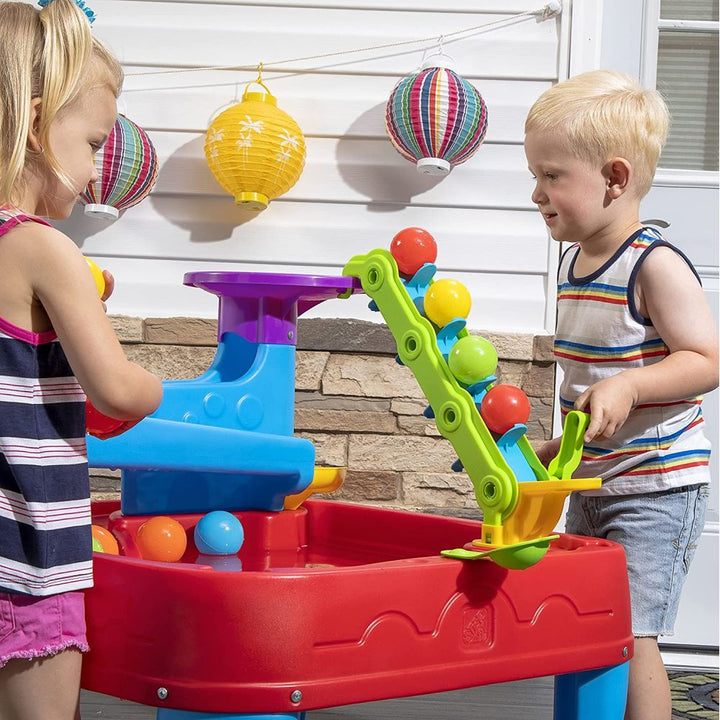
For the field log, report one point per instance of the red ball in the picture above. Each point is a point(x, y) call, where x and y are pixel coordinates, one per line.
point(504, 406)
point(412, 248)
point(99, 424)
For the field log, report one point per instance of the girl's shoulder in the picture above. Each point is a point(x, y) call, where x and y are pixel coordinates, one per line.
point(11, 217)
point(34, 235)
point(39, 252)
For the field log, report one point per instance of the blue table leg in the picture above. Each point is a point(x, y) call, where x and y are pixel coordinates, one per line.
point(164, 714)
point(593, 694)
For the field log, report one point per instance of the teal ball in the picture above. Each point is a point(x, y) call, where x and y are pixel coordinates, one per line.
point(219, 533)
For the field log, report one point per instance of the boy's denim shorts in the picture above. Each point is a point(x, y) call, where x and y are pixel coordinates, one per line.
point(659, 532)
point(35, 627)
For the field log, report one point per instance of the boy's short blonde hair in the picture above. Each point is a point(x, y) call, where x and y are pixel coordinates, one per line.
point(48, 54)
point(605, 114)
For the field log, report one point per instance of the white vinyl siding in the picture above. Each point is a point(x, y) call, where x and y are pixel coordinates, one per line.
point(356, 191)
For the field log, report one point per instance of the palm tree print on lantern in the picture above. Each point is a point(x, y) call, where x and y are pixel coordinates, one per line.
point(288, 144)
point(248, 126)
point(215, 135)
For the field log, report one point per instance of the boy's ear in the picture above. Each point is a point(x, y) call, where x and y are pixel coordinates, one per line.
point(33, 138)
point(618, 173)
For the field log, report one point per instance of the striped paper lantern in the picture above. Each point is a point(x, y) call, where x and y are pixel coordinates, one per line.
point(436, 119)
point(127, 169)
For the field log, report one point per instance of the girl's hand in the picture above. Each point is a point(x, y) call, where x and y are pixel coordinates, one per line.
point(117, 431)
point(109, 287)
point(103, 427)
point(609, 403)
point(109, 284)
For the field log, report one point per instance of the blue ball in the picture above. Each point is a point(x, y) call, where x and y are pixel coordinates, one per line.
point(219, 533)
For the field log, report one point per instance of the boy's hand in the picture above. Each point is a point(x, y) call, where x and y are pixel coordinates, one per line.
point(609, 403)
point(548, 451)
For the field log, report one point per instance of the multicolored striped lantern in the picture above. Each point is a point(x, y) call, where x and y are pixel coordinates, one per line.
point(255, 150)
point(127, 169)
point(436, 119)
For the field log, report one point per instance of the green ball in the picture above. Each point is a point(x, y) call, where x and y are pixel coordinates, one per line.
point(97, 547)
point(472, 358)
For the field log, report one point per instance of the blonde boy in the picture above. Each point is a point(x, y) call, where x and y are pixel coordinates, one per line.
point(637, 344)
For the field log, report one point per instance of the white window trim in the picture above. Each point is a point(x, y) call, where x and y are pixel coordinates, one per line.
point(651, 38)
point(648, 76)
point(703, 26)
point(672, 177)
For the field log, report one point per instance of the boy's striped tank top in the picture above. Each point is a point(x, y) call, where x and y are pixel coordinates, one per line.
point(599, 334)
point(45, 540)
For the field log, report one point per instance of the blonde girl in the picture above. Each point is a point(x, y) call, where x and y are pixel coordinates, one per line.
point(58, 91)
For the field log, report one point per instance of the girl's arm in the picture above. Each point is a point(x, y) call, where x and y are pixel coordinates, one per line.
point(61, 280)
point(671, 297)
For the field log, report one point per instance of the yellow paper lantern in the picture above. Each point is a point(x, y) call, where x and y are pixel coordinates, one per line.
point(255, 150)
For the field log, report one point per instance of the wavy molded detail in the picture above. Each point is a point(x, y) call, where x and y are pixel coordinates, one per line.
point(380, 621)
point(556, 599)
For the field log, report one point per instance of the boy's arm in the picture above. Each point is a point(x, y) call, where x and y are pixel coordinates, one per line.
point(670, 295)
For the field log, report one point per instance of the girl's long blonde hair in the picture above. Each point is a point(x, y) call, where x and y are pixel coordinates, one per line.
point(48, 54)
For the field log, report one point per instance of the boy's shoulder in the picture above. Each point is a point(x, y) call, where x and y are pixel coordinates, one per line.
point(661, 255)
point(664, 258)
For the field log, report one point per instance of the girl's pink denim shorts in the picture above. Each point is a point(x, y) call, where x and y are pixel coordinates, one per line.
point(34, 627)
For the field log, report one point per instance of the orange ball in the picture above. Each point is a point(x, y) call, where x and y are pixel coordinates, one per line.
point(161, 538)
point(105, 539)
point(445, 300)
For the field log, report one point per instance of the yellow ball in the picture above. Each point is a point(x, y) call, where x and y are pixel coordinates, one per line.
point(445, 300)
point(97, 276)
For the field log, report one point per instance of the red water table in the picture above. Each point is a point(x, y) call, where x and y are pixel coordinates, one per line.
point(336, 603)
point(327, 603)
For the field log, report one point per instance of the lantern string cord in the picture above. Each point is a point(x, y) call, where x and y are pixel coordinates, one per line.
point(547, 11)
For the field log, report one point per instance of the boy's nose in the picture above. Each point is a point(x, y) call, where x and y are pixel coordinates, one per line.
point(537, 196)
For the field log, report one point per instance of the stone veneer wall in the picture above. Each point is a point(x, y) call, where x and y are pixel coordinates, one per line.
point(359, 407)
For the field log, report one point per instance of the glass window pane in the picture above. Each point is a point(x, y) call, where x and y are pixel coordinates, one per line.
point(689, 9)
point(687, 76)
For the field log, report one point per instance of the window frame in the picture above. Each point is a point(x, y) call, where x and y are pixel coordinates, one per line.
point(653, 23)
